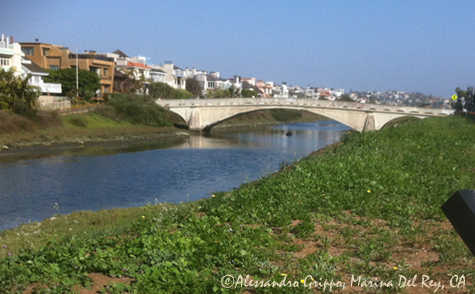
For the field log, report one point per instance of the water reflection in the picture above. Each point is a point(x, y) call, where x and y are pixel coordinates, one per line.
point(172, 170)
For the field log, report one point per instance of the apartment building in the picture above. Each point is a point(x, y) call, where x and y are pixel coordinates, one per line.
point(56, 57)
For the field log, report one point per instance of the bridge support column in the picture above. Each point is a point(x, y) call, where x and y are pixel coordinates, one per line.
point(369, 124)
point(194, 123)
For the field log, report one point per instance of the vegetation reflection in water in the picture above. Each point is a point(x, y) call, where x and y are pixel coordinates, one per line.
point(132, 175)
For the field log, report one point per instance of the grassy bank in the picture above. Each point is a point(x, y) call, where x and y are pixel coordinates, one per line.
point(104, 125)
point(273, 116)
point(124, 116)
point(78, 129)
point(369, 206)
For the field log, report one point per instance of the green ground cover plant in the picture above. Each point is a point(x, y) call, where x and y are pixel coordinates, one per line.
point(367, 207)
point(124, 115)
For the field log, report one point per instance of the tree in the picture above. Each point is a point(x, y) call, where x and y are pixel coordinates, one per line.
point(460, 93)
point(245, 93)
point(345, 97)
point(138, 83)
point(165, 91)
point(15, 92)
point(233, 91)
point(161, 90)
point(194, 87)
point(219, 93)
point(89, 82)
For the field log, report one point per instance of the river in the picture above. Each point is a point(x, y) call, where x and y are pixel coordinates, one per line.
point(59, 181)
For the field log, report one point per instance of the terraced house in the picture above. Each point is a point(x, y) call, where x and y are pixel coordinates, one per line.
point(56, 57)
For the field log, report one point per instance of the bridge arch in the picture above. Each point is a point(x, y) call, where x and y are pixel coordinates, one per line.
point(231, 115)
point(401, 118)
point(203, 114)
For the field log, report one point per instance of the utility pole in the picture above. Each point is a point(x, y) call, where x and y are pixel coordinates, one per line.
point(77, 75)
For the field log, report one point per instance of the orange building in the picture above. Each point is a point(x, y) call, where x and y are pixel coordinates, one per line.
point(56, 57)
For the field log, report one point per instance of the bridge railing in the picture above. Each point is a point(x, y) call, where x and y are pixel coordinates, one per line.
point(304, 103)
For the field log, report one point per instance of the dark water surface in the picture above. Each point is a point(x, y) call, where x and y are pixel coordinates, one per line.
point(171, 170)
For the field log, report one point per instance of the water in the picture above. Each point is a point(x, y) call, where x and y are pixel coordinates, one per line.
point(172, 170)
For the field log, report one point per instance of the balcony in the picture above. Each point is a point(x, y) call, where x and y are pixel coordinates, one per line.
point(106, 78)
point(53, 88)
point(91, 56)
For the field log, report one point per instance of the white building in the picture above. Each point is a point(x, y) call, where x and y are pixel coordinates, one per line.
point(10, 55)
point(37, 75)
point(174, 75)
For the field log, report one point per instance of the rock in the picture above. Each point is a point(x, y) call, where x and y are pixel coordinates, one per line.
point(4, 147)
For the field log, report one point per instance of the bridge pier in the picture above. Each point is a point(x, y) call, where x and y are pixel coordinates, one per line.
point(369, 124)
point(194, 120)
point(202, 115)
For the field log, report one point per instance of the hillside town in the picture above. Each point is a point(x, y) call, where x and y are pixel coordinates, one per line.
point(114, 70)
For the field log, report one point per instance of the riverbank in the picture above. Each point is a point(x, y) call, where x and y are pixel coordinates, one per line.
point(90, 128)
point(95, 129)
point(368, 207)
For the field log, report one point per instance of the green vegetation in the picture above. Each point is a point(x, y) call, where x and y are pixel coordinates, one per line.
point(230, 92)
point(369, 206)
point(89, 82)
point(460, 93)
point(11, 123)
point(164, 91)
point(245, 93)
point(137, 109)
point(133, 84)
point(345, 97)
point(123, 116)
point(271, 116)
point(194, 87)
point(16, 95)
point(286, 115)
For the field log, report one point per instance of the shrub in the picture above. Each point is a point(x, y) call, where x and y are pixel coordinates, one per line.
point(285, 115)
point(139, 109)
point(11, 123)
point(161, 90)
point(245, 93)
point(108, 111)
point(25, 110)
point(219, 93)
point(49, 119)
point(182, 94)
point(164, 91)
point(77, 120)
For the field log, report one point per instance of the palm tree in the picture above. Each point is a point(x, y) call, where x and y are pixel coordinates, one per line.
point(137, 84)
point(15, 91)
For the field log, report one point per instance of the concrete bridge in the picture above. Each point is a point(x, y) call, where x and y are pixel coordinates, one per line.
point(203, 114)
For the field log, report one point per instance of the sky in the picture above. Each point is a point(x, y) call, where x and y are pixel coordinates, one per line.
point(425, 46)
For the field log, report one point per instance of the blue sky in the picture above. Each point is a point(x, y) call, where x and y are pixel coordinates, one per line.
point(406, 45)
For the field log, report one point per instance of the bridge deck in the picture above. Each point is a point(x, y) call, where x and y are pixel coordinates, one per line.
point(304, 103)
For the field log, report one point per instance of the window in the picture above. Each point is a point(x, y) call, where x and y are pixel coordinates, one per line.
point(28, 50)
point(4, 60)
point(54, 67)
point(106, 89)
point(97, 70)
point(106, 72)
point(45, 52)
